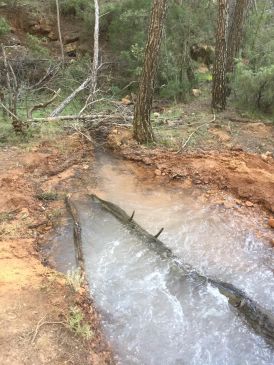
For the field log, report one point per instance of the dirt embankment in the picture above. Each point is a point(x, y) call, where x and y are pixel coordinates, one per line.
point(249, 176)
point(40, 313)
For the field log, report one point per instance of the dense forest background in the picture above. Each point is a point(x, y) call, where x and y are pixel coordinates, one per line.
point(29, 36)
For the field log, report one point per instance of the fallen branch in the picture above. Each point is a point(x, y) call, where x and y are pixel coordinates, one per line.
point(195, 131)
point(88, 103)
point(80, 117)
point(69, 99)
point(158, 234)
point(246, 120)
point(41, 324)
point(45, 104)
point(78, 130)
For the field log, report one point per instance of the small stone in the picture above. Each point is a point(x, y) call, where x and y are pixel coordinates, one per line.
point(196, 92)
point(271, 222)
point(158, 172)
point(249, 204)
point(85, 167)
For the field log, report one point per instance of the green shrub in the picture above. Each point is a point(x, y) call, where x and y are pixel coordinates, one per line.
point(35, 45)
point(4, 26)
point(47, 196)
point(187, 23)
point(75, 8)
point(254, 89)
point(77, 323)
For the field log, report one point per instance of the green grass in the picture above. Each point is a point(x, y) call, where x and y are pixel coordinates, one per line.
point(47, 196)
point(77, 323)
point(6, 216)
point(75, 279)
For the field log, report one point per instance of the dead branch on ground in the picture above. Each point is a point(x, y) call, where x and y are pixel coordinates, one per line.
point(69, 99)
point(89, 117)
point(45, 104)
point(41, 324)
point(195, 131)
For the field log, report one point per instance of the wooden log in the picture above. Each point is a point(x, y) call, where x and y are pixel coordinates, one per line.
point(258, 318)
point(89, 117)
point(77, 234)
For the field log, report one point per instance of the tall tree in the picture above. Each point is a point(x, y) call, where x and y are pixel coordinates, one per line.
point(142, 129)
point(59, 31)
point(219, 69)
point(95, 61)
point(231, 17)
point(235, 35)
point(92, 78)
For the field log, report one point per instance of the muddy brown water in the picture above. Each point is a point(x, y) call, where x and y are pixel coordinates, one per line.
point(150, 314)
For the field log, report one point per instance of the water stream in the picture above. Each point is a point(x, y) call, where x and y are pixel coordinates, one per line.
point(151, 314)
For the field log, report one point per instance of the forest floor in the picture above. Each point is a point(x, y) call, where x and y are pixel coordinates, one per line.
point(37, 304)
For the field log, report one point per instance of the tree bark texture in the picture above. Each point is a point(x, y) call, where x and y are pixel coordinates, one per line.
point(219, 70)
point(142, 129)
point(236, 33)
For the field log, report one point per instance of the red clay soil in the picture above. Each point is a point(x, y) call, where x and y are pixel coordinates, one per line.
point(248, 176)
point(35, 301)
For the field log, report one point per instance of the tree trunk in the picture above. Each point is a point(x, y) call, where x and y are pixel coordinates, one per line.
point(59, 32)
point(92, 79)
point(95, 50)
point(236, 33)
point(142, 129)
point(219, 70)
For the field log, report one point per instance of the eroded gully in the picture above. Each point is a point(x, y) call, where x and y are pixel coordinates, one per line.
point(150, 314)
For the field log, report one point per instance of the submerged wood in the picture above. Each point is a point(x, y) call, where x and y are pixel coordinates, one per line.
point(261, 320)
point(77, 234)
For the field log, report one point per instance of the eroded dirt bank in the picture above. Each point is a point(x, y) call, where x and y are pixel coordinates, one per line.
point(249, 176)
point(37, 305)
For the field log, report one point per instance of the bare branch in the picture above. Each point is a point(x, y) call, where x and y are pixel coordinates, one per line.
point(10, 112)
point(45, 104)
point(195, 131)
point(69, 99)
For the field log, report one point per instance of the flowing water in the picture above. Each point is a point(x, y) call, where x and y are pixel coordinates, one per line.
point(151, 313)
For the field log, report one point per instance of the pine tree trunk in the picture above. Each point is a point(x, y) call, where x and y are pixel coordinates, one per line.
point(219, 70)
point(142, 129)
point(236, 33)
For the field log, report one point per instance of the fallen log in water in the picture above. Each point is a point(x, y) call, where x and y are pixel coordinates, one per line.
point(261, 320)
point(77, 234)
